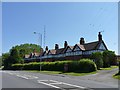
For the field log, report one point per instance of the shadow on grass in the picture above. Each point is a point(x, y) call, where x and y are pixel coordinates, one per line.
point(117, 76)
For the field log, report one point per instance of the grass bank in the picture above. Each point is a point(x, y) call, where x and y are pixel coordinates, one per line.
point(64, 73)
point(117, 76)
point(109, 68)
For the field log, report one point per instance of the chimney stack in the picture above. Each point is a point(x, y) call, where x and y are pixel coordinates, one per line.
point(65, 44)
point(82, 40)
point(99, 36)
point(56, 46)
point(46, 49)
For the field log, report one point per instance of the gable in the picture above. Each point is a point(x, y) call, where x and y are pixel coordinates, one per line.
point(102, 46)
point(49, 52)
point(76, 48)
point(68, 50)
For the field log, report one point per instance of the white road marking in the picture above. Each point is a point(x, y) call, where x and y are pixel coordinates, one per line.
point(25, 76)
point(22, 76)
point(74, 85)
point(57, 82)
point(54, 81)
point(47, 84)
point(30, 77)
point(66, 84)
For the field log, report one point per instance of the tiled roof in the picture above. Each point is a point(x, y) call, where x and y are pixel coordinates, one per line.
point(37, 54)
point(71, 47)
point(81, 46)
point(86, 46)
point(91, 46)
point(45, 53)
point(60, 51)
point(52, 51)
point(27, 56)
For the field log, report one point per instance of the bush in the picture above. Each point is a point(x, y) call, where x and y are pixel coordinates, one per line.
point(17, 66)
point(109, 58)
point(97, 57)
point(83, 65)
point(87, 65)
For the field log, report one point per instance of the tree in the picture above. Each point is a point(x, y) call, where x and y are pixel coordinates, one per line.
point(15, 57)
point(12, 59)
point(27, 48)
point(4, 57)
point(22, 53)
point(109, 58)
point(97, 58)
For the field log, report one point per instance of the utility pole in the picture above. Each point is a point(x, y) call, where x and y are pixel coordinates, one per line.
point(40, 38)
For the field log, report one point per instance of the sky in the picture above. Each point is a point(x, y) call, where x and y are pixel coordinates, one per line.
point(63, 21)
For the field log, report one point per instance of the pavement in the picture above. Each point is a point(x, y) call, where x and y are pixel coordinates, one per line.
point(25, 79)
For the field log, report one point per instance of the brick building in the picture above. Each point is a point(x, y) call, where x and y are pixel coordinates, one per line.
point(76, 52)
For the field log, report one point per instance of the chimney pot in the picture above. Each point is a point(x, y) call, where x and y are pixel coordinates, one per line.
point(46, 48)
point(99, 36)
point(65, 44)
point(82, 40)
point(56, 46)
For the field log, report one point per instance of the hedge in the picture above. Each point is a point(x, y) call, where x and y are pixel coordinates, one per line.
point(83, 65)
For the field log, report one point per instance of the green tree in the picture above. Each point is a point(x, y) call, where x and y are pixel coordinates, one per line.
point(13, 58)
point(109, 58)
point(27, 48)
point(97, 58)
point(22, 53)
point(4, 57)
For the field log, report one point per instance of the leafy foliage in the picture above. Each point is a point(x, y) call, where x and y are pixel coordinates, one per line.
point(26, 48)
point(4, 57)
point(17, 53)
point(12, 59)
point(97, 57)
point(83, 65)
point(109, 58)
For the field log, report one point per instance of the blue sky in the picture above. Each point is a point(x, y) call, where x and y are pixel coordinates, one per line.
point(64, 21)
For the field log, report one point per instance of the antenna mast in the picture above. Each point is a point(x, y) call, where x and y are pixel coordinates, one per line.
point(44, 35)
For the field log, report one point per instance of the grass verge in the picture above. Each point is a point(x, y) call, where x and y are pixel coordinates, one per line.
point(59, 72)
point(109, 68)
point(117, 76)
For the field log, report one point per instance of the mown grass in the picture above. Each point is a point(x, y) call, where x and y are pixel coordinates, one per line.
point(74, 73)
point(79, 74)
point(64, 73)
point(117, 76)
point(109, 68)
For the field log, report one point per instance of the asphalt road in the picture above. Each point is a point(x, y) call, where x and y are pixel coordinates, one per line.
point(23, 79)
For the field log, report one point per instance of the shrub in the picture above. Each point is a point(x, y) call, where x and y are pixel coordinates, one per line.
point(17, 66)
point(84, 65)
point(109, 58)
point(97, 57)
point(87, 65)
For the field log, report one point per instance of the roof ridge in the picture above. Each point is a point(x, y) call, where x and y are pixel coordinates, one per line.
point(91, 42)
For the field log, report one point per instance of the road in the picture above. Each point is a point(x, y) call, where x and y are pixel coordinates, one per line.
point(24, 79)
